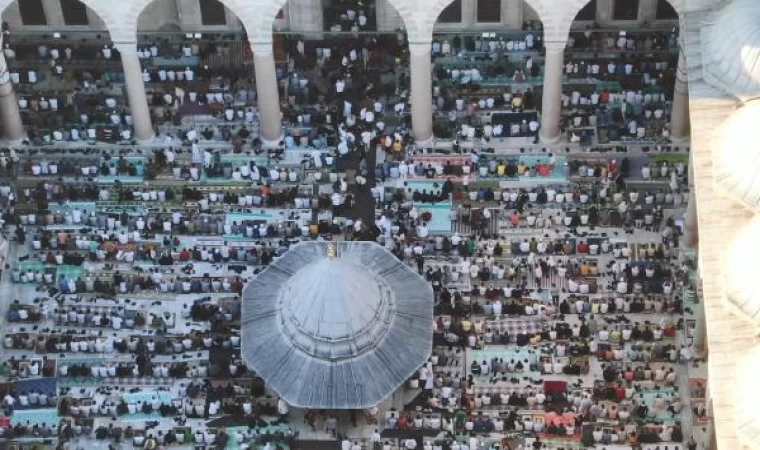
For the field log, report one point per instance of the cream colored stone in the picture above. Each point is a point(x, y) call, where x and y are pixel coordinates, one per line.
point(741, 280)
point(737, 156)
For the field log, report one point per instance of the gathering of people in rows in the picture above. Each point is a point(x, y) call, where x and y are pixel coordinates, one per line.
point(564, 296)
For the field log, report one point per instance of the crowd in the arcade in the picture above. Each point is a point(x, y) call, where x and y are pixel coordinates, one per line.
point(561, 285)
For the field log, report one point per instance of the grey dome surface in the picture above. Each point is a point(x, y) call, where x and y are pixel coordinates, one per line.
point(732, 61)
point(335, 309)
point(340, 332)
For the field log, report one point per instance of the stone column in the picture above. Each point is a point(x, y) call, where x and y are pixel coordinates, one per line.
point(679, 116)
point(420, 68)
point(512, 14)
point(469, 12)
point(691, 223)
point(648, 11)
point(700, 331)
point(712, 438)
point(604, 10)
point(53, 13)
point(138, 101)
point(9, 112)
point(267, 94)
point(3, 250)
point(13, 128)
point(551, 98)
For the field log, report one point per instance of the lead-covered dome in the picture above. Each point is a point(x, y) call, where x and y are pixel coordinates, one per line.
point(335, 309)
point(336, 325)
point(736, 157)
point(732, 59)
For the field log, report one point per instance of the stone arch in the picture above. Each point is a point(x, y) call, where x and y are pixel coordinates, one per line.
point(573, 7)
point(257, 16)
point(542, 8)
point(414, 16)
point(545, 11)
point(404, 7)
point(98, 7)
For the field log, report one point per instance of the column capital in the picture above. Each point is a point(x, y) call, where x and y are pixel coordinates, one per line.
point(555, 46)
point(261, 48)
point(418, 48)
point(126, 47)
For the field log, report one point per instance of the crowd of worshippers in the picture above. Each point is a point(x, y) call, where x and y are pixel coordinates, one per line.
point(18, 48)
point(211, 223)
point(131, 282)
point(117, 318)
point(646, 72)
point(538, 280)
point(217, 438)
point(484, 249)
point(349, 15)
point(81, 114)
point(37, 430)
point(360, 68)
point(545, 279)
point(196, 401)
point(212, 437)
point(481, 165)
point(63, 247)
point(84, 341)
point(357, 80)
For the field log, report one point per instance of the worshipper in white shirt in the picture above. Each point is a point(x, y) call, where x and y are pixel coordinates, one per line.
point(533, 126)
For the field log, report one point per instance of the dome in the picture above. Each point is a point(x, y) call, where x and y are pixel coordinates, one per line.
point(335, 309)
point(322, 325)
point(732, 59)
point(741, 280)
point(737, 156)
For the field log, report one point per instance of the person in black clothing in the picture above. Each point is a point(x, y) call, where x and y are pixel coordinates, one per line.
point(475, 368)
point(677, 434)
point(609, 373)
point(447, 188)
point(420, 263)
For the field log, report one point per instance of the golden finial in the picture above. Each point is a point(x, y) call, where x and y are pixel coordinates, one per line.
point(331, 251)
